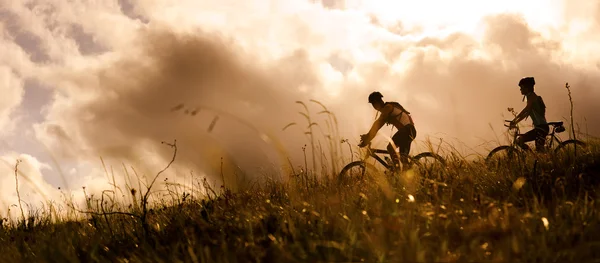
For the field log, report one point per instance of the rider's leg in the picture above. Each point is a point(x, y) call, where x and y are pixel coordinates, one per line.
point(396, 156)
point(540, 140)
point(406, 143)
point(403, 139)
point(527, 137)
point(393, 155)
point(521, 140)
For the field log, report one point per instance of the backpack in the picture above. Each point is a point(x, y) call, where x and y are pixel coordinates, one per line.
point(397, 105)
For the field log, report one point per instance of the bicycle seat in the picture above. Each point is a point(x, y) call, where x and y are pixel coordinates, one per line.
point(556, 123)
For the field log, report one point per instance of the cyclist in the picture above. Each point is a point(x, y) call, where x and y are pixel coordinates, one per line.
point(392, 113)
point(536, 109)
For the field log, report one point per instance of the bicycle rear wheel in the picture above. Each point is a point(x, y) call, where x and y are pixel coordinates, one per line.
point(356, 169)
point(570, 147)
point(429, 161)
point(428, 165)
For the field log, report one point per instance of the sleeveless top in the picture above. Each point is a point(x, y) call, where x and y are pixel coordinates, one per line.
point(399, 117)
point(538, 110)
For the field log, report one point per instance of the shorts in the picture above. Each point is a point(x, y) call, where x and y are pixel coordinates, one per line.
point(404, 137)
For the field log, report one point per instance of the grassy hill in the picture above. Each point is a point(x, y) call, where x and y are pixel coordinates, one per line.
point(541, 209)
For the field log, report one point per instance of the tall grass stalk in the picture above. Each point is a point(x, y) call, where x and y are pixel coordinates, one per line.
point(332, 136)
point(18, 192)
point(571, 116)
point(310, 133)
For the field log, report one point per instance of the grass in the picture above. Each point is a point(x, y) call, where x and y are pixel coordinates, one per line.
point(542, 210)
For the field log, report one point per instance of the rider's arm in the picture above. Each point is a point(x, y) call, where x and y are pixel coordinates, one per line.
point(385, 113)
point(524, 113)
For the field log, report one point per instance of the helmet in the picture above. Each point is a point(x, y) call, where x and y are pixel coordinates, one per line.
point(375, 96)
point(527, 81)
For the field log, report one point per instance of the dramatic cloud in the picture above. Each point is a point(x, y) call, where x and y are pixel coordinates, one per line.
point(12, 93)
point(118, 69)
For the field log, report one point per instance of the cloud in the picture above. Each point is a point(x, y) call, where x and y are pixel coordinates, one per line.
point(12, 93)
point(171, 69)
point(512, 50)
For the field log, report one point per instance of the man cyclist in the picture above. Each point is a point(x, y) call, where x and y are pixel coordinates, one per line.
point(392, 113)
point(536, 109)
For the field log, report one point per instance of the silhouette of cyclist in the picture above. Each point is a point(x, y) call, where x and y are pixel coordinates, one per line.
point(392, 113)
point(536, 109)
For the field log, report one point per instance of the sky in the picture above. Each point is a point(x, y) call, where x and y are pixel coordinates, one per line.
point(90, 88)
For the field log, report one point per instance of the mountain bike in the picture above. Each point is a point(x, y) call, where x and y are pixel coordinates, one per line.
point(513, 149)
point(425, 161)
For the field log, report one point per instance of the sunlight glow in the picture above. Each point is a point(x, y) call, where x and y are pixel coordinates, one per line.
point(437, 16)
point(437, 19)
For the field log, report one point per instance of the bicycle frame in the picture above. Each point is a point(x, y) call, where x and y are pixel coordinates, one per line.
point(373, 153)
point(387, 163)
point(551, 135)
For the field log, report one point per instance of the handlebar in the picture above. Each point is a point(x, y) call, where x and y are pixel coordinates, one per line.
point(367, 146)
point(514, 128)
